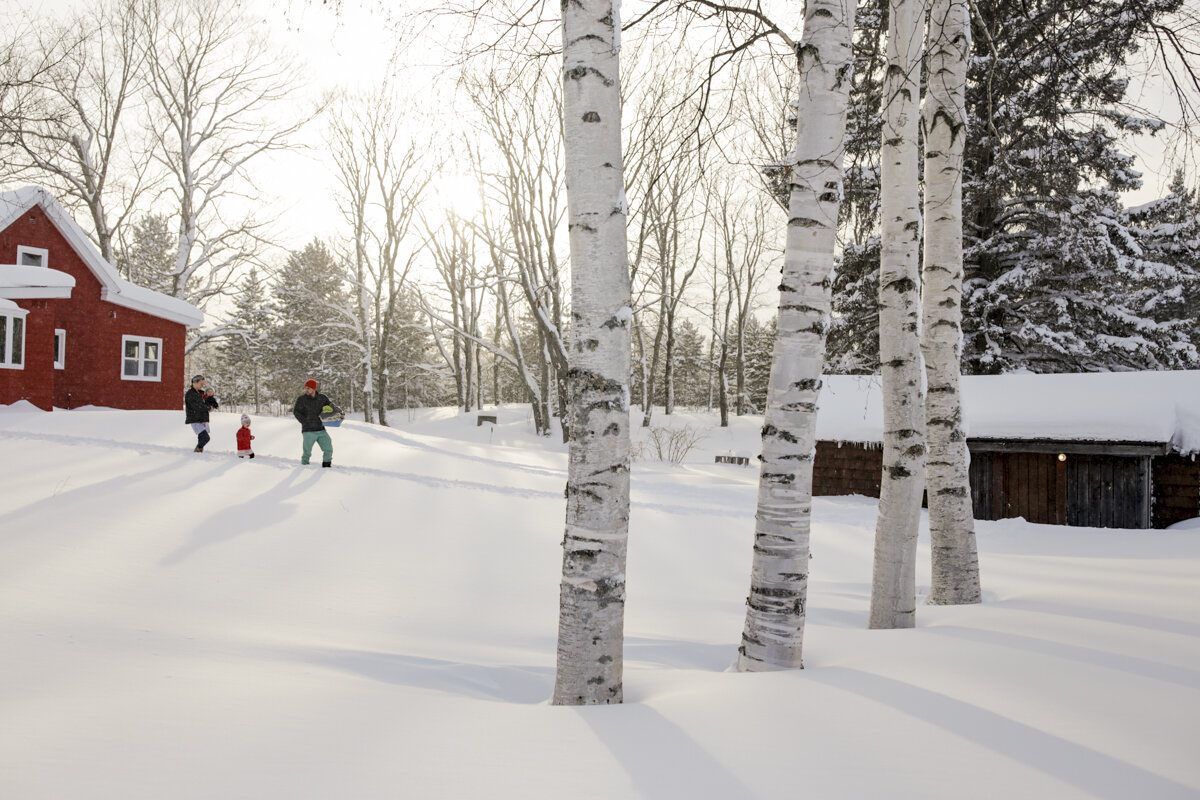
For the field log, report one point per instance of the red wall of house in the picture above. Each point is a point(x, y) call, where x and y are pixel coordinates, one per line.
point(35, 382)
point(92, 374)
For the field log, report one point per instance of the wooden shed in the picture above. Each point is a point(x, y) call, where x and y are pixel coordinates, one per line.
point(1109, 450)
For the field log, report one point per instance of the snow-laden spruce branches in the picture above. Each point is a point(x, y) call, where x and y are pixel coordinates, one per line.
point(592, 595)
point(775, 610)
point(955, 577)
point(893, 586)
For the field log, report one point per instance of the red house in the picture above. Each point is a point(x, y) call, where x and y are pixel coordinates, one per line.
point(72, 331)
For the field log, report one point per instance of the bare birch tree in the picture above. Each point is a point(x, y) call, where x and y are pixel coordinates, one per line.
point(775, 609)
point(893, 587)
point(214, 79)
point(527, 182)
point(80, 142)
point(955, 576)
point(383, 175)
point(592, 595)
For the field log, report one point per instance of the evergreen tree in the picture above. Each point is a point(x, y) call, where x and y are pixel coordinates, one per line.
point(146, 253)
point(313, 335)
point(1054, 275)
point(243, 352)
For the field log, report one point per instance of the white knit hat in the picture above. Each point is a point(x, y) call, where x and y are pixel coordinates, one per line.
point(245, 418)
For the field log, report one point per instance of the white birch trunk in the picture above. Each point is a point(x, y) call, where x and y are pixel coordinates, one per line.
point(893, 586)
point(775, 609)
point(592, 595)
point(955, 577)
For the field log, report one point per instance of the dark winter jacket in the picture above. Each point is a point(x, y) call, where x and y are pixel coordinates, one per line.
point(196, 406)
point(308, 411)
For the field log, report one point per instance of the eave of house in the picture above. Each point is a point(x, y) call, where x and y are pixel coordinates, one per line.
point(114, 288)
point(34, 283)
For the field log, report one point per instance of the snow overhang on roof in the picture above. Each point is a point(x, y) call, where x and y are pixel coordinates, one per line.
point(114, 288)
point(22, 283)
point(1153, 408)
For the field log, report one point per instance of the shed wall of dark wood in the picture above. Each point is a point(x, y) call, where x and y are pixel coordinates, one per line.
point(1087, 489)
point(1176, 489)
point(847, 469)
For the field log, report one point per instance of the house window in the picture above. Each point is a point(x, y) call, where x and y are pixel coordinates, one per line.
point(32, 256)
point(12, 338)
point(141, 358)
point(60, 348)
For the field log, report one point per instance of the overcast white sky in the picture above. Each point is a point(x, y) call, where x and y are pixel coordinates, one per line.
point(355, 44)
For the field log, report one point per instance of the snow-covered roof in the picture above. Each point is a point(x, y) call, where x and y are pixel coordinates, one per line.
point(8, 305)
point(114, 288)
point(18, 282)
point(1152, 407)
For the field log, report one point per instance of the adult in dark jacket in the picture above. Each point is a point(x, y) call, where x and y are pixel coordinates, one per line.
point(196, 404)
point(308, 411)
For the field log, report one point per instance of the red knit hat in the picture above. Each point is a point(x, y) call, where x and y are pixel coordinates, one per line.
point(310, 384)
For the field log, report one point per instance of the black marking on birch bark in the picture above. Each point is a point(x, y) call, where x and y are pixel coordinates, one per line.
point(781, 478)
point(828, 197)
point(915, 450)
point(795, 457)
point(944, 323)
point(592, 344)
point(949, 302)
point(584, 555)
point(822, 12)
point(817, 328)
point(913, 226)
point(798, 407)
point(566, 3)
point(595, 681)
point(896, 472)
point(895, 141)
point(819, 163)
point(932, 154)
point(946, 117)
point(604, 660)
point(806, 385)
point(778, 593)
point(901, 285)
point(591, 116)
point(804, 222)
point(807, 49)
point(616, 211)
point(607, 164)
point(771, 430)
point(800, 307)
point(612, 323)
point(832, 185)
point(588, 36)
point(583, 226)
point(612, 430)
point(907, 94)
point(906, 433)
point(580, 492)
point(579, 73)
point(955, 491)
point(910, 327)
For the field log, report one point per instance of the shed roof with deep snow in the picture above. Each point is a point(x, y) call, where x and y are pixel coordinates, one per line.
point(1152, 407)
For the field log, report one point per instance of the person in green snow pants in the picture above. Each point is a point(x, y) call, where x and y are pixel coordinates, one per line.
point(308, 411)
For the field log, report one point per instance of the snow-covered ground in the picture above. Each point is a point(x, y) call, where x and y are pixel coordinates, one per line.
point(178, 626)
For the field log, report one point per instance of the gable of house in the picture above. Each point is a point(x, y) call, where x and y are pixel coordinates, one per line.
point(89, 337)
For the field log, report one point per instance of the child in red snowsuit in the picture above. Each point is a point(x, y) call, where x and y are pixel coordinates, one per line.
point(244, 437)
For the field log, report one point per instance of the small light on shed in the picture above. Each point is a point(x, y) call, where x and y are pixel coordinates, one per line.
point(1062, 456)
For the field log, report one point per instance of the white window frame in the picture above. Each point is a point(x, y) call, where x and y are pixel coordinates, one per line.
point(142, 341)
point(11, 316)
point(42, 253)
point(60, 344)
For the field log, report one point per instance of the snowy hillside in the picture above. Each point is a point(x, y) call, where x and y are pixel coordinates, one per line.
point(181, 626)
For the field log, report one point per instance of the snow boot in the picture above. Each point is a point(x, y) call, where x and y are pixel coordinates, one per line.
point(326, 463)
point(198, 450)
